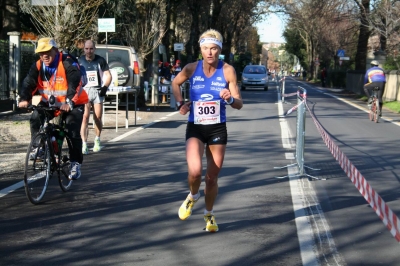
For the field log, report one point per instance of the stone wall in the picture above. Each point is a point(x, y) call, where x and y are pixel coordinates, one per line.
point(355, 83)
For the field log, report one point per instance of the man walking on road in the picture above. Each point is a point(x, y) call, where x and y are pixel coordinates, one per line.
point(213, 87)
point(98, 80)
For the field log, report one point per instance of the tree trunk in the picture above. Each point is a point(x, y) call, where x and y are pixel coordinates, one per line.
point(383, 37)
point(9, 17)
point(362, 45)
point(191, 47)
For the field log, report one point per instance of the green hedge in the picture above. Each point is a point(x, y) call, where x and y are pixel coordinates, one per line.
point(336, 79)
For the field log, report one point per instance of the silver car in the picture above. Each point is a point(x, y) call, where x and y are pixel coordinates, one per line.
point(254, 77)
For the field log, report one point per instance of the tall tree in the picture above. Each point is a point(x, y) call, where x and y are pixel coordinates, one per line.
point(364, 33)
point(9, 17)
point(295, 45)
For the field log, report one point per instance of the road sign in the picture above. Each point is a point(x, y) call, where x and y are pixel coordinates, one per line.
point(106, 25)
point(345, 58)
point(341, 53)
point(178, 47)
point(46, 2)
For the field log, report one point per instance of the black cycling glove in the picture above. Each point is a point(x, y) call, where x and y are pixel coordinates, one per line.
point(103, 91)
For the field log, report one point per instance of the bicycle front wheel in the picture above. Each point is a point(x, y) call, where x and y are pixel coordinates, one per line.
point(64, 165)
point(376, 118)
point(37, 168)
point(371, 114)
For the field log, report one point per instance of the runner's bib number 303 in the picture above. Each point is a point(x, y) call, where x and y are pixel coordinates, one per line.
point(207, 113)
point(92, 80)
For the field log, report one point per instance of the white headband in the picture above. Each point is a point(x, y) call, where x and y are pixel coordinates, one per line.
point(210, 40)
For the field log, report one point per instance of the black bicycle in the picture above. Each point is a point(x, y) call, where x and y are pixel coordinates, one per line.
point(48, 152)
point(374, 105)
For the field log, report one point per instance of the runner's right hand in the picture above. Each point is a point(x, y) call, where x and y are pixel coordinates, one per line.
point(185, 108)
point(23, 104)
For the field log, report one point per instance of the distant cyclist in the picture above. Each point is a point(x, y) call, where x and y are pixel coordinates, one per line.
point(375, 77)
point(57, 75)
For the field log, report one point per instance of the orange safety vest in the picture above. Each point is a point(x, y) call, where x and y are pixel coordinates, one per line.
point(58, 86)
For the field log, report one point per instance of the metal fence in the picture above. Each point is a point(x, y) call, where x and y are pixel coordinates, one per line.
point(28, 57)
point(9, 87)
point(300, 107)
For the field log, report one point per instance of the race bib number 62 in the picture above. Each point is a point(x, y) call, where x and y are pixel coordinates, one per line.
point(92, 79)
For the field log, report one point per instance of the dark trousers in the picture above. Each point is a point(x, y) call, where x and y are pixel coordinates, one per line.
point(368, 90)
point(73, 122)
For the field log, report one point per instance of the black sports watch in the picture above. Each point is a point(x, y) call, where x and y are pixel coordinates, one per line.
point(179, 104)
point(71, 104)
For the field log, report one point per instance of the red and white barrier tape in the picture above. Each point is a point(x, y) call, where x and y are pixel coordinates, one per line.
point(293, 108)
point(375, 201)
point(289, 94)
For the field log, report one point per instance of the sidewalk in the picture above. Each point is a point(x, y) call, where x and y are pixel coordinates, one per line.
point(15, 132)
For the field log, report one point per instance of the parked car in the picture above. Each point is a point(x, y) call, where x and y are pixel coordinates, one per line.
point(124, 60)
point(254, 76)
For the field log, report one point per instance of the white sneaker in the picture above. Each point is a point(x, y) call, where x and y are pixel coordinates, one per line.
point(75, 171)
point(85, 149)
point(36, 154)
point(96, 146)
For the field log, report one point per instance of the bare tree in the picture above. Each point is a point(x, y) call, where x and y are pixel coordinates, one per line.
point(239, 31)
point(66, 21)
point(324, 27)
point(385, 23)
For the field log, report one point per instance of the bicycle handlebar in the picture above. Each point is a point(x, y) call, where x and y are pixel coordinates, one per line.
point(32, 107)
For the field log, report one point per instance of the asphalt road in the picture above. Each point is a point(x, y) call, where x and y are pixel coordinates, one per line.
point(123, 211)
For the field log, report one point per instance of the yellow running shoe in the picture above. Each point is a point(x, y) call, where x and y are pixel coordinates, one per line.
point(211, 225)
point(186, 208)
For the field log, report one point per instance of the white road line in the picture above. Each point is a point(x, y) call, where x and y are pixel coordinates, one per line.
point(140, 128)
point(315, 239)
point(8, 190)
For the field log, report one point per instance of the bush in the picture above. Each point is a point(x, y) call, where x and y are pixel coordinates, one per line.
point(337, 78)
point(391, 63)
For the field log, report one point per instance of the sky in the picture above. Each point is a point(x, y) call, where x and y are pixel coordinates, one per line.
point(271, 29)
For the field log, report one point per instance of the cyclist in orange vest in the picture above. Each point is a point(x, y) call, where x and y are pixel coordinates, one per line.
point(57, 75)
